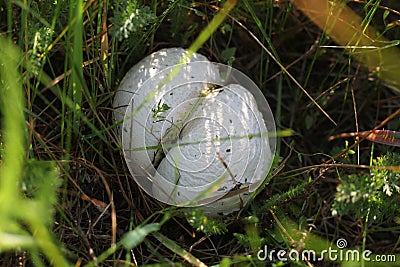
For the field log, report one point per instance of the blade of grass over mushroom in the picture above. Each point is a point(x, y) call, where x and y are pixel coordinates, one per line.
point(282, 133)
point(202, 197)
point(360, 39)
point(174, 133)
point(205, 34)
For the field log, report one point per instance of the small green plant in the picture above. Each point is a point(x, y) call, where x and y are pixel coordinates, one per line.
point(130, 18)
point(160, 109)
point(41, 40)
point(374, 195)
point(201, 223)
point(251, 239)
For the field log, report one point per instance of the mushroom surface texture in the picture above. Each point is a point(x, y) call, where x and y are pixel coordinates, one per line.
point(141, 72)
point(194, 133)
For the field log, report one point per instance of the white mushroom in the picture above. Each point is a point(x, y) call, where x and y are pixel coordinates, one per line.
point(196, 138)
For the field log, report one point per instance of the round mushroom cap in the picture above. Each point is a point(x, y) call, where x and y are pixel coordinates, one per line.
point(194, 133)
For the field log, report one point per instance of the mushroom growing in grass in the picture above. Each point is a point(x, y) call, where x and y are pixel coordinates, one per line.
point(194, 134)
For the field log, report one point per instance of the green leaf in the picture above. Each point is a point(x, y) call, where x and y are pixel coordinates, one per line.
point(309, 120)
point(226, 28)
point(160, 109)
point(199, 13)
point(136, 236)
point(228, 54)
point(385, 14)
point(226, 262)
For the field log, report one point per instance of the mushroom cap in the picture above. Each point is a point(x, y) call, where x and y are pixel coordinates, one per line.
point(198, 137)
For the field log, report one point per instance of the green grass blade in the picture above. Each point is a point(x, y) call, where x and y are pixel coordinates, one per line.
point(170, 244)
point(13, 126)
point(211, 27)
point(135, 237)
point(76, 82)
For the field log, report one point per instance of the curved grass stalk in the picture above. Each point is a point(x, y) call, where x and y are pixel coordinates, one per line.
point(352, 32)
